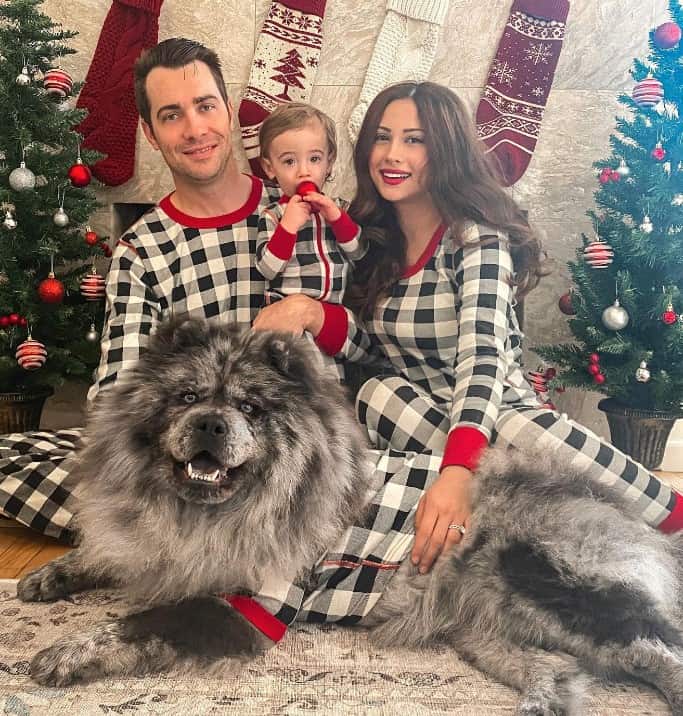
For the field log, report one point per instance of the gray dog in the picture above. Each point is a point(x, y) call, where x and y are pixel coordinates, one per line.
point(225, 454)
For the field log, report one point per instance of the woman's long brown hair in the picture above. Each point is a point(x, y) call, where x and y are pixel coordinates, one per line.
point(463, 183)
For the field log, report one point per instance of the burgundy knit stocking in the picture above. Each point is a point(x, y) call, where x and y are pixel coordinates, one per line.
point(108, 94)
point(284, 67)
point(510, 112)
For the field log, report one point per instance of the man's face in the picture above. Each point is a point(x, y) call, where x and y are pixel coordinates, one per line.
point(190, 122)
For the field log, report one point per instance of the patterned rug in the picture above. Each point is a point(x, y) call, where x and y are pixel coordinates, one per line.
point(315, 670)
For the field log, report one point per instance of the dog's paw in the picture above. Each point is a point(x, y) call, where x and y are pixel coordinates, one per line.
point(43, 585)
point(539, 705)
point(62, 664)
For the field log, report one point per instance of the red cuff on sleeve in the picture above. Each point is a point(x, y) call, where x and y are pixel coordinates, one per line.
point(335, 329)
point(345, 228)
point(464, 446)
point(256, 615)
point(281, 243)
point(674, 522)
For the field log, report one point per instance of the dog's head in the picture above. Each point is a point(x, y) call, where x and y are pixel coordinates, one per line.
point(209, 408)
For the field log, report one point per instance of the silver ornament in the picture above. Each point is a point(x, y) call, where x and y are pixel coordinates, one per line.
point(646, 227)
point(22, 179)
point(10, 222)
point(60, 218)
point(677, 200)
point(642, 373)
point(614, 317)
point(92, 335)
point(623, 169)
point(24, 78)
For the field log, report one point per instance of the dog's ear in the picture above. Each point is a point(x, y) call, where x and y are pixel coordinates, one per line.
point(288, 357)
point(178, 333)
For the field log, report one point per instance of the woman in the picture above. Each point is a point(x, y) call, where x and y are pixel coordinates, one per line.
point(449, 254)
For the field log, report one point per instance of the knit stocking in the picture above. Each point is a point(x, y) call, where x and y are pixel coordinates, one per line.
point(404, 50)
point(284, 67)
point(108, 95)
point(510, 111)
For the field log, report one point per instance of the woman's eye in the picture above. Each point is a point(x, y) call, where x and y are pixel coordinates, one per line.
point(381, 137)
point(189, 397)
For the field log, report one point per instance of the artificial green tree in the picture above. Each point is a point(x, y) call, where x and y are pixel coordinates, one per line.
point(37, 127)
point(628, 313)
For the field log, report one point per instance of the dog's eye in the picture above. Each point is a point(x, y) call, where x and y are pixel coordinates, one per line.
point(190, 397)
point(247, 408)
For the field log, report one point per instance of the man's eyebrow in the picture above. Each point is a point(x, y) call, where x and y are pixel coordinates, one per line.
point(196, 100)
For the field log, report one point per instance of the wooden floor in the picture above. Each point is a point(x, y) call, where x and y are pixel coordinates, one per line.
point(22, 549)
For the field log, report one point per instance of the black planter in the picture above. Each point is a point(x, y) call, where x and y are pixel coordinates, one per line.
point(21, 411)
point(642, 434)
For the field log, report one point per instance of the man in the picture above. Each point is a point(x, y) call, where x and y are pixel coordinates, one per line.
point(191, 254)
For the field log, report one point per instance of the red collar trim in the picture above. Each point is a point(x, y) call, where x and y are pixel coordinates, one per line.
point(426, 254)
point(214, 222)
point(259, 617)
point(283, 199)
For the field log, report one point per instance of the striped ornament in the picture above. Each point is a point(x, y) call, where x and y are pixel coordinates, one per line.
point(648, 92)
point(31, 354)
point(58, 82)
point(598, 254)
point(92, 286)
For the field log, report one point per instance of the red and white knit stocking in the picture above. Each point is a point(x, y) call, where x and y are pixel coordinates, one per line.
point(284, 67)
point(510, 112)
point(108, 94)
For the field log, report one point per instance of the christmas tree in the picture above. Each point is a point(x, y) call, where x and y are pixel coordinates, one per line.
point(627, 299)
point(47, 251)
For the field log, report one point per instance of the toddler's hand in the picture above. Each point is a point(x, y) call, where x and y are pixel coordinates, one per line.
point(296, 214)
point(323, 204)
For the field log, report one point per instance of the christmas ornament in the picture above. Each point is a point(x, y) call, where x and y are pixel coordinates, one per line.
point(623, 170)
point(10, 222)
point(538, 379)
point(51, 289)
point(92, 336)
point(105, 249)
point(658, 152)
point(646, 227)
point(599, 378)
point(593, 368)
point(677, 200)
point(22, 179)
point(91, 238)
point(594, 358)
point(58, 82)
point(24, 78)
point(667, 35)
point(79, 174)
point(92, 285)
point(669, 316)
point(614, 317)
point(306, 187)
point(4, 322)
point(605, 175)
point(642, 373)
point(60, 217)
point(648, 92)
point(31, 354)
point(13, 319)
point(598, 254)
point(565, 304)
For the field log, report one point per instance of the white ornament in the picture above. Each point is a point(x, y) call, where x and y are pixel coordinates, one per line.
point(642, 373)
point(623, 169)
point(677, 200)
point(10, 222)
point(24, 78)
point(92, 336)
point(22, 179)
point(646, 227)
point(614, 317)
point(60, 218)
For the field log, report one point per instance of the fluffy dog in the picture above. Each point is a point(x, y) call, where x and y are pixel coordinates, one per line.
point(225, 454)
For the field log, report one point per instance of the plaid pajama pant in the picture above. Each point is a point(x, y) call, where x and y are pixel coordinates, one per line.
point(400, 416)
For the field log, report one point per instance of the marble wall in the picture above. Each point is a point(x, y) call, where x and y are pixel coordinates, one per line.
point(603, 37)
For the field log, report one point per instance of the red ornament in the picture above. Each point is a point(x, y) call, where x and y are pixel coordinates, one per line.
point(23, 322)
point(13, 319)
point(91, 238)
point(599, 378)
point(614, 175)
point(667, 35)
point(550, 373)
point(51, 289)
point(658, 152)
point(92, 286)
point(593, 368)
point(594, 358)
point(598, 254)
point(306, 187)
point(79, 174)
point(58, 82)
point(648, 92)
point(4, 321)
point(31, 354)
point(106, 250)
point(565, 304)
point(605, 175)
point(669, 316)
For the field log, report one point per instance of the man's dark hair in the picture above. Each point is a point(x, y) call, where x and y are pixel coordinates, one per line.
point(172, 53)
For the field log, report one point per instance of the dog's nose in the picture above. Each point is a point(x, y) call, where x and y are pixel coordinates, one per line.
point(212, 425)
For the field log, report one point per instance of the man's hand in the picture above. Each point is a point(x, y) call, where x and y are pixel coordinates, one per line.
point(297, 213)
point(293, 314)
point(323, 204)
point(446, 502)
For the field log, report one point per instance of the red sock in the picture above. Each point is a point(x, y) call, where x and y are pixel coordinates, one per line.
point(108, 93)
point(510, 112)
point(284, 67)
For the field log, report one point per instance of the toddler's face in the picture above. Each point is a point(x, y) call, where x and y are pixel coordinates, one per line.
point(297, 155)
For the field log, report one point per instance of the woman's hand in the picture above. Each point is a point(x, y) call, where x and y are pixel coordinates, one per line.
point(326, 206)
point(297, 213)
point(446, 502)
point(293, 314)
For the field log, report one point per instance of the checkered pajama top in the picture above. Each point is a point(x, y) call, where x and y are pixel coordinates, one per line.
point(315, 261)
point(448, 327)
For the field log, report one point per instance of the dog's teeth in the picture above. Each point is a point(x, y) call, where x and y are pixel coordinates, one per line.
point(204, 476)
point(189, 469)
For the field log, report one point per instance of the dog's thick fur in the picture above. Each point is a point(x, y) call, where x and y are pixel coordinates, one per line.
point(556, 577)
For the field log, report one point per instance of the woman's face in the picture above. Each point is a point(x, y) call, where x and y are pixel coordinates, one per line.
point(398, 159)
